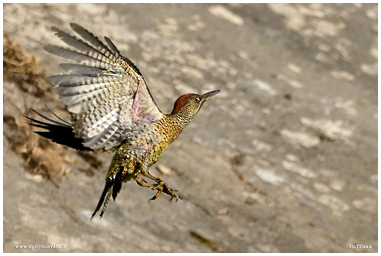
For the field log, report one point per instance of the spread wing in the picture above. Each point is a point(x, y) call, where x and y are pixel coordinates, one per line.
point(105, 92)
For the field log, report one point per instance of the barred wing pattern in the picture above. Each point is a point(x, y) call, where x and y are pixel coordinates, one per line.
point(105, 93)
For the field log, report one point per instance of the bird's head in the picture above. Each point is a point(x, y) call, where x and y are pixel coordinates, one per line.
point(188, 105)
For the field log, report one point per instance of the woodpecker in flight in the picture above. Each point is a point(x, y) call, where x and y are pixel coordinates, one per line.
point(112, 109)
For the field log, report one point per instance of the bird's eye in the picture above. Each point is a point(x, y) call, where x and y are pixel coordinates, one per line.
point(197, 99)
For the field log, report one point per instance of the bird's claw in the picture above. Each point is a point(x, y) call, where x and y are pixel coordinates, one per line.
point(162, 187)
point(158, 186)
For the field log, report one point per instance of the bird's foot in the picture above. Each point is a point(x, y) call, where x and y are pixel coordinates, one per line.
point(162, 187)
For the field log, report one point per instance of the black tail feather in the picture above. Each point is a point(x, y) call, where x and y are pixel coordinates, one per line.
point(60, 132)
point(112, 187)
point(106, 192)
point(117, 185)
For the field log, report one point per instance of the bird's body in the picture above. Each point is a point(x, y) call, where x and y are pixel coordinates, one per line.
point(113, 110)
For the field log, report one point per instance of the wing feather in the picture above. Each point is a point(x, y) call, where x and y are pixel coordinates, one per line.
point(89, 37)
point(105, 93)
point(88, 60)
point(112, 46)
point(82, 70)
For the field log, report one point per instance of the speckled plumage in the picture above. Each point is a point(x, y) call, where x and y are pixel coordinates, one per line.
point(112, 109)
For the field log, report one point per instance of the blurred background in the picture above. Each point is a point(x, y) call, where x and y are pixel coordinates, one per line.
point(284, 159)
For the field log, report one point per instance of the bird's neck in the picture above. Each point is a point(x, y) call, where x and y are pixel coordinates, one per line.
point(172, 125)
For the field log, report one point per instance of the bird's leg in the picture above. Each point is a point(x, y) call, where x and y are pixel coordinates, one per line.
point(160, 185)
point(142, 182)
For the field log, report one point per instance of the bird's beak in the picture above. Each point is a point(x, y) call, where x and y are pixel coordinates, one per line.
point(209, 95)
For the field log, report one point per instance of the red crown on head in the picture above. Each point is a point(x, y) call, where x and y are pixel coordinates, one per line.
point(180, 102)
